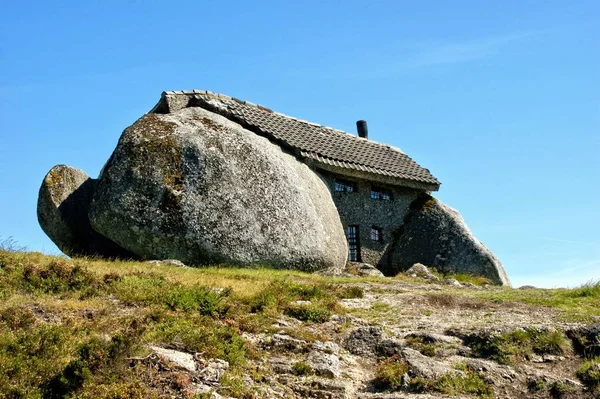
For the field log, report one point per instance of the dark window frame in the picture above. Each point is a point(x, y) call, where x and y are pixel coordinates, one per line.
point(344, 186)
point(376, 232)
point(380, 194)
point(353, 237)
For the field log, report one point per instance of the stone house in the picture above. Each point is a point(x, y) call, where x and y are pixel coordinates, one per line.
point(372, 184)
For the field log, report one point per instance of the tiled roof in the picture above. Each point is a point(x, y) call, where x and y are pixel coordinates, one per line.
point(322, 144)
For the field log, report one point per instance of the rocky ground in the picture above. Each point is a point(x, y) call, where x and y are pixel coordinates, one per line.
point(413, 336)
point(428, 328)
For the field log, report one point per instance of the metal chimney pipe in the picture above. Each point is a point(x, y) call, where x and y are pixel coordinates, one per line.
point(362, 129)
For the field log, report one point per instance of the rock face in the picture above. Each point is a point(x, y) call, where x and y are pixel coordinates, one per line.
point(196, 187)
point(436, 235)
point(63, 203)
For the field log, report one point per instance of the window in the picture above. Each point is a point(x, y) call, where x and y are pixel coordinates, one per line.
point(376, 234)
point(344, 186)
point(378, 193)
point(353, 244)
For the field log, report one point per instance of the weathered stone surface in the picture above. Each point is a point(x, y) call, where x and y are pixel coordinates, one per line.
point(369, 341)
point(180, 359)
point(421, 271)
point(62, 209)
point(435, 234)
point(166, 262)
point(324, 364)
point(426, 367)
point(194, 186)
point(364, 269)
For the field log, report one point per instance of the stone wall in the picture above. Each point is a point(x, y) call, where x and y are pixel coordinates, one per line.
point(357, 208)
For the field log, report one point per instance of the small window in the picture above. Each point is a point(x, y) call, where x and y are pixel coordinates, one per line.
point(378, 193)
point(344, 186)
point(376, 234)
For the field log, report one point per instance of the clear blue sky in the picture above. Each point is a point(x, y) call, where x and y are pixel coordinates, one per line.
point(500, 100)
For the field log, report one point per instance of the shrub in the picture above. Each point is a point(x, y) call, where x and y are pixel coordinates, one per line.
point(301, 368)
point(311, 313)
point(589, 373)
point(507, 347)
point(455, 384)
point(389, 373)
point(203, 300)
point(350, 292)
point(59, 276)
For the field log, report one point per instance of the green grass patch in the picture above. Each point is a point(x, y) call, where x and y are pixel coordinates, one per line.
point(301, 368)
point(508, 347)
point(575, 304)
point(389, 373)
point(589, 373)
point(69, 328)
point(468, 384)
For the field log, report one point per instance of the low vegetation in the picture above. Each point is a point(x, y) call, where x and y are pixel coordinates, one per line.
point(75, 327)
point(393, 374)
point(511, 346)
point(589, 373)
point(82, 327)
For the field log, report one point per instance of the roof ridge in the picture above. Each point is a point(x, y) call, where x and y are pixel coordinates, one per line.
point(267, 109)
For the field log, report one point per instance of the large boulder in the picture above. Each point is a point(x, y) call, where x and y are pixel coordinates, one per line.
point(63, 204)
point(194, 186)
point(435, 234)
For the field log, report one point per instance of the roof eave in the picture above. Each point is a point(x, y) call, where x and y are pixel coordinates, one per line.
point(376, 177)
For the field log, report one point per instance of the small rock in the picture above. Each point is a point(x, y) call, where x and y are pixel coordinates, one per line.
point(180, 359)
point(214, 370)
point(281, 365)
point(553, 358)
point(426, 367)
point(536, 359)
point(207, 389)
point(419, 270)
point(364, 341)
point(166, 262)
point(324, 364)
point(282, 341)
point(364, 269)
point(327, 347)
point(453, 282)
point(301, 303)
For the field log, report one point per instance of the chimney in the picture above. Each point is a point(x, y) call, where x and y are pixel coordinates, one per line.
point(361, 128)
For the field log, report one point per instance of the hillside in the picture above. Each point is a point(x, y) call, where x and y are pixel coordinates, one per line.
point(97, 329)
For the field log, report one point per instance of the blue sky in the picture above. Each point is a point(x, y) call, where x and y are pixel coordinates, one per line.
point(500, 100)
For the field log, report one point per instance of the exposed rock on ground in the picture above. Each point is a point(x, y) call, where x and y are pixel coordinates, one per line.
point(194, 186)
point(63, 204)
point(421, 271)
point(436, 235)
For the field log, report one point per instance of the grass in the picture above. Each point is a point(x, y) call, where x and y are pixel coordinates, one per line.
point(469, 384)
point(389, 373)
point(301, 368)
point(589, 373)
point(68, 328)
point(511, 346)
point(575, 304)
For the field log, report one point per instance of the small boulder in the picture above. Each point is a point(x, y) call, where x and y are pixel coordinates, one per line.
point(368, 341)
point(324, 364)
point(421, 271)
point(62, 210)
point(426, 367)
point(180, 359)
point(166, 262)
point(364, 269)
point(454, 283)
